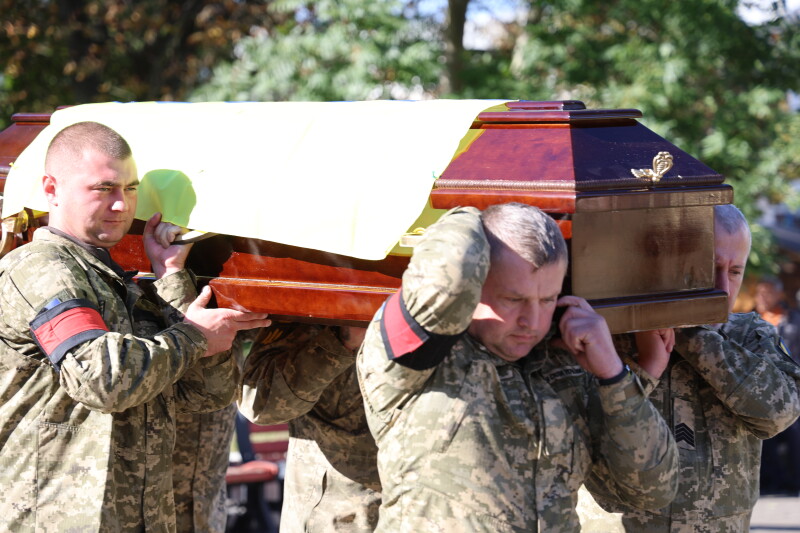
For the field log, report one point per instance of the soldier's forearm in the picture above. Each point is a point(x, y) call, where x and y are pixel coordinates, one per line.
point(442, 284)
point(284, 379)
point(115, 372)
point(637, 447)
point(759, 388)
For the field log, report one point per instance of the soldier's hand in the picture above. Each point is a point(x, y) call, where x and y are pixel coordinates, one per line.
point(219, 326)
point(654, 349)
point(164, 256)
point(587, 337)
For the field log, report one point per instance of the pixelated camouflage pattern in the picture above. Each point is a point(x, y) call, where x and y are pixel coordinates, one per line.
point(723, 391)
point(202, 445)
point(594, 519)
point(481, 444)
point(447, 312)
point(89, 448)
point(303, 375)
point(200, 459)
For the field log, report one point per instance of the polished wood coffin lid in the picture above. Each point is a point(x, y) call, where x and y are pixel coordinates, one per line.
point(641, 247)
point(637, 210)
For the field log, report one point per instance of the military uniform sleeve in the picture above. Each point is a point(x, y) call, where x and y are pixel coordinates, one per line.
point(173, 294)
point(54, 312)
point(748, 371)
point(417, 326)
point(637, 458)
point(211, 383)
point(288, 369)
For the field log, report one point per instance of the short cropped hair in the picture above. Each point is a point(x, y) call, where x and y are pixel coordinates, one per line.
point(527, 231)
point(730, 219)
point(69, 143)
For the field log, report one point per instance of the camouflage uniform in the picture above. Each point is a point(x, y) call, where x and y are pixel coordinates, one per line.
point(86, 443)
point(722, 392)
point(303, 375)
point(470, 442)
point(200, 460)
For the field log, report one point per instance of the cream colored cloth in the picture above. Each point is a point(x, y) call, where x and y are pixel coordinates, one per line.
point(343, 177)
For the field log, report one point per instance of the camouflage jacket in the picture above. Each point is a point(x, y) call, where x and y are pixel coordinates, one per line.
point(303, 375)
point(470, 442)
point(86, 444)
point(722, 392)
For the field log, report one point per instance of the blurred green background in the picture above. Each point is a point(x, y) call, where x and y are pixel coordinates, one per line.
point(715, 77)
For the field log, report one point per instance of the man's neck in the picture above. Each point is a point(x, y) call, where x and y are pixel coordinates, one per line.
point(101, 254)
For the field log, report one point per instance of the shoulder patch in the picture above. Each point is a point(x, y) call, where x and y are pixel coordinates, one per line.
point(782, 347)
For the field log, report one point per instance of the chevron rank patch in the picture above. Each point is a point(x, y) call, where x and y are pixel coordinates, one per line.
point(684, 436)
point(684, 423)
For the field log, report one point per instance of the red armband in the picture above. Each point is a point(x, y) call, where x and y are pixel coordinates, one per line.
point(61, 326)
point(406, 342)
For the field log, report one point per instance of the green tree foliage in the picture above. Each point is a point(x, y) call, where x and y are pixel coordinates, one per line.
point(704, 79)
point(332, 50)
point(712, 84)
point(60, 52)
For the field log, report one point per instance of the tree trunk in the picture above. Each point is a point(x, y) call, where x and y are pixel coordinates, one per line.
point(451, 81)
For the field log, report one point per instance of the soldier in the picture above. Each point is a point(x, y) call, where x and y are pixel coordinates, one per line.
point(483, 421)
point(93, 367)
point(304, 374)
point(200, 462)
point(724, 389)
point(780, 455)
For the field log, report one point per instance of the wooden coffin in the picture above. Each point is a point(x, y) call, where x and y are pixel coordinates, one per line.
point(636, 210)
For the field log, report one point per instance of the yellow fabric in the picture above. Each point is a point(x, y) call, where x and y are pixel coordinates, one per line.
point(343, 177)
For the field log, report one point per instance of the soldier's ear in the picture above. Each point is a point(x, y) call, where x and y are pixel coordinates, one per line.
point(49, 185)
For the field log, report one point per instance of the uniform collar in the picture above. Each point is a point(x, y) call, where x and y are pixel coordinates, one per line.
point(101, 254)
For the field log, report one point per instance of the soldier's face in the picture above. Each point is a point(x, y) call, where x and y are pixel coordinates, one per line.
point(730, 256)
point(517, 305)
point(93, 199)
